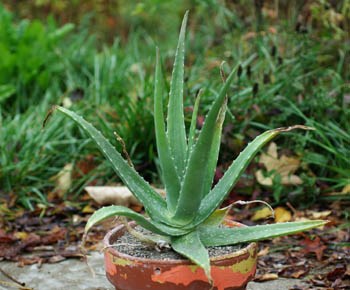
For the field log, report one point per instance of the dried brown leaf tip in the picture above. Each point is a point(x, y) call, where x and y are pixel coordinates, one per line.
point(290, 128)
point(48, 115)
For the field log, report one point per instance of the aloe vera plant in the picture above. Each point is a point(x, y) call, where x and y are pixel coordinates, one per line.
point(188, 218)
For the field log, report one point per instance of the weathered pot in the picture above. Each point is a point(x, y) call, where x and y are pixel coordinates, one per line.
point(229, 272)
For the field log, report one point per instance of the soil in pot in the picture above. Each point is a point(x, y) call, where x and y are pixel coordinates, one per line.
point(132, 265)
point(129, 245)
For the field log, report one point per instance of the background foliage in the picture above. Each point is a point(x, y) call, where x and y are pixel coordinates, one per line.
point(98, 58)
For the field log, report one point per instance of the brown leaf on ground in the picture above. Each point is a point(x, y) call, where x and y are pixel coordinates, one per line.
point(63, 180)
point(6, 237)
point(9, 250)
point(53, 236)
point(264, 251)
point(266, 277)
point(313, 246)
point(318, 214)
point(283, 166)
point(295, 271)
point(260, 214)
point(84, 166)
point(338, 272)
point(282, 215)
point(117, 195)
point(344, 191)
point(299, 273)
point(56, 259)
point(26, 261)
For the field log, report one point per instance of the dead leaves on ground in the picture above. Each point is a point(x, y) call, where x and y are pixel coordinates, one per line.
point(315, 246)
point(320, 259)
point(42, 236)
point(51, 233)
point(42, 240)
point(281, 214)
point(282, 166)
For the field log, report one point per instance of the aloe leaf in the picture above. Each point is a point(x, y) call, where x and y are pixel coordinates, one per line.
point(216, 218)
point(191, 135)
point(231, 176)
point(170, 177)
point(154, 204)
point(213, 153)
point(215, 236)
point(115, 210)
point(176, 122)
point(202, 162)
point(192, 248)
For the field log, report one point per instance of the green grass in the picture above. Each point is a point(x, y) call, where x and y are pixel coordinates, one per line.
point(287, 78)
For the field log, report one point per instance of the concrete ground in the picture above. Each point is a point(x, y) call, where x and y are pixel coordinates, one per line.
point(75, 275)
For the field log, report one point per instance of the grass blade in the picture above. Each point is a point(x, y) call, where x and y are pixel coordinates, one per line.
point(214, 236)
point(170, 177)
point(176, 122)
point(154, 204)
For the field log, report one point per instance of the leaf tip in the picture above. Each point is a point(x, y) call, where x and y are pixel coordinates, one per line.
point(184, 21)
point(290, 128)
point(49, 114)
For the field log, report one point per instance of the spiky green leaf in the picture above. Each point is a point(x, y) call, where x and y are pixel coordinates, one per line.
point(154, 204)
point(192, 247)
point(170, 177)
point(192, 133)
point(176, 122)
point(215, 236)
point(202, 162)
point(231, 176)
point(115, 210)
point(216, 218)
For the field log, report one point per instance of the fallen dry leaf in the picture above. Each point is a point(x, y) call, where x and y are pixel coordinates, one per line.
point(54, 235)
point(344, 191)
point(313, 246)
point(282, 215)
point(338, 272)
point(6, 237)
point(266, 277)
point(84, 166)
point(284, 166)
point(87, 209)
point(117, 195)
point(63, 180)
point(21, 235)
point(264, 252)
point(318, 214)
point(260, 214)
point(299, 273)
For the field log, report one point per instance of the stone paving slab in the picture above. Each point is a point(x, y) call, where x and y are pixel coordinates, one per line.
point(75, 275)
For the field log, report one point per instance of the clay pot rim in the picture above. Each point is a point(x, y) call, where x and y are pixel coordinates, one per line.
point(108, 247)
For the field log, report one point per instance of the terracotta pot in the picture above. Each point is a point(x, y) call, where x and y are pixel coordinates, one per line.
point(231, 271)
